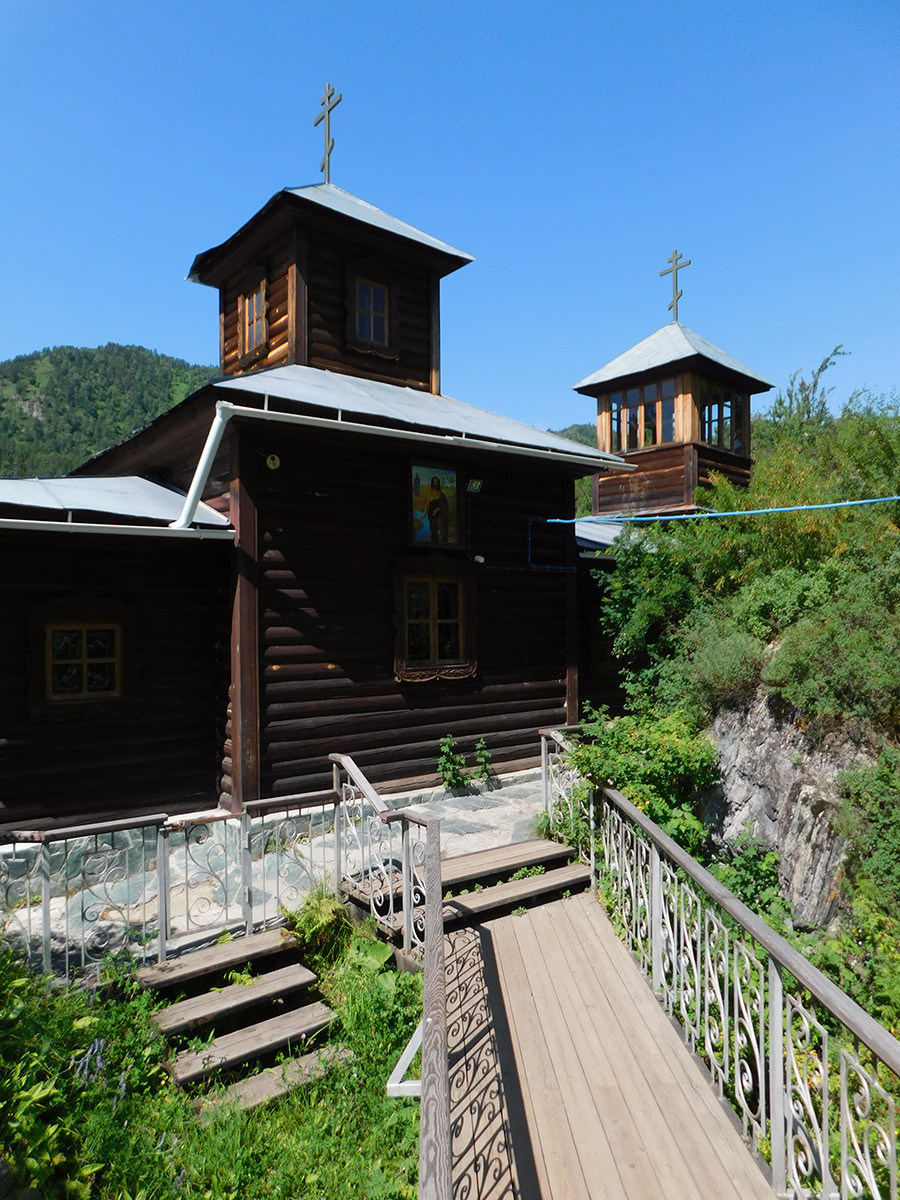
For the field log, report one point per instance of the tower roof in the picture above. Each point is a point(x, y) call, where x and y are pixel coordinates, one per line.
point(327, 200)
point(673, 343)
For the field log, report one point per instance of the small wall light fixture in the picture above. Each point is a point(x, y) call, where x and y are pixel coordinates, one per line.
point(473, 487)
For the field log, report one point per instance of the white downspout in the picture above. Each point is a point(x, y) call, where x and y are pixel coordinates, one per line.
point(223, 414)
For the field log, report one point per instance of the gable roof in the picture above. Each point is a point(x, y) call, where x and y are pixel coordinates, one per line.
point(350, 399)
point(670, 344)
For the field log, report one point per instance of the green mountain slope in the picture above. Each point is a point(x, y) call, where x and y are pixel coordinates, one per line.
point(60, 406)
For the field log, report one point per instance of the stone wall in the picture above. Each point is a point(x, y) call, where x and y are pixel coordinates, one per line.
point(774, 783)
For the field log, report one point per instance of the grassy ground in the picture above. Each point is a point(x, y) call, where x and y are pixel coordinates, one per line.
point(87, 1108)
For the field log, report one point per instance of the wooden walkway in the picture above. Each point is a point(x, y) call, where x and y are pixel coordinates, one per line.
point(568, 1081)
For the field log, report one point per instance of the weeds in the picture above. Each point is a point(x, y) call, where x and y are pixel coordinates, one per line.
point(87, 1107)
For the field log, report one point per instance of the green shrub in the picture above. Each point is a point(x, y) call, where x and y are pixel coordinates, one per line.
point(451, 765)
point(840, 664)
point(660, 763)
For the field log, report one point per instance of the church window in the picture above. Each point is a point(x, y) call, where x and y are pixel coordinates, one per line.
point(252, 332)
point(83, 661)
point(433, 640)
point(372, 312)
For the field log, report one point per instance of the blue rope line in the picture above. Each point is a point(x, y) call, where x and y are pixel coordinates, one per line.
point(743, 512)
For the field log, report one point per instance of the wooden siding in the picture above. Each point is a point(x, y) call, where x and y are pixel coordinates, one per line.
point(157, 749)
point(332, 538)
point(666, 477)
point(410, 295)
point(277, 272)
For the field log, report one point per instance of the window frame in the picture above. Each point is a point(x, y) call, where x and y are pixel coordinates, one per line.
point(420, 670)
point(369, 272)
point(628, 422)
point(252, 320)
point(83, 660)
point(86, 611)
point(719, 397)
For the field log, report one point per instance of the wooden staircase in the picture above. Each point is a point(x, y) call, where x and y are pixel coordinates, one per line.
point(488, 883)
point(246, 1024)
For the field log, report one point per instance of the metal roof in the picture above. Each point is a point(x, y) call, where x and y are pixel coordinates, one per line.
point(339, 201)
point(668, 345)
point(351, 398)
point(336, 200)
point(123, 496)
point(597, 535)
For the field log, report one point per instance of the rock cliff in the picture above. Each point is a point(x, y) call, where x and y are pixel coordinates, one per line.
point(786, 792)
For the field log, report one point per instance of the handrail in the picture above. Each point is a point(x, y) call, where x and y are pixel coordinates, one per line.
point(882, 1043)
point(61, 833)
point(435, 1182)
point(297, 800)
point(359, 779)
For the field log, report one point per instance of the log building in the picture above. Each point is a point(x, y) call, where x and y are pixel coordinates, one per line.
point(388, 575)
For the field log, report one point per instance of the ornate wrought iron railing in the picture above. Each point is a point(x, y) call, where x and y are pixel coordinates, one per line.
point(158, 884)
point(814, 1079)
point(382, 855)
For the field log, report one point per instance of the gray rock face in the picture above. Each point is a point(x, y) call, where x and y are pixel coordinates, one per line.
point(786, 792)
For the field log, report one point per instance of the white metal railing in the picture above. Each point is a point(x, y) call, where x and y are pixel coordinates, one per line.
point(382, 855)
point(814, 1079)
point(159, 884)
point(154, 885)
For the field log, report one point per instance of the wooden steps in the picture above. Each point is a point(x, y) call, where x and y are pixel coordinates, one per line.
point(475, 906)
point(502, 860)
point(220, 958)
point(273, 1082)
point(186, 1015)
point(251, 1043)
point(246, 1022)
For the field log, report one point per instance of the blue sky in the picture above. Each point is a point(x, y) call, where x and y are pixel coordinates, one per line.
point(570, 147)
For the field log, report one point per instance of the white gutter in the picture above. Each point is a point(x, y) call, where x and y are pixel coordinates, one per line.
point(225, 410)
point(166, 531)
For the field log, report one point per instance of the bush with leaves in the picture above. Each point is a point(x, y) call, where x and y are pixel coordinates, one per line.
point(660, 763)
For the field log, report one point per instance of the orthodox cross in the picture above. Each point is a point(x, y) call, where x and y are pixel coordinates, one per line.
point(329, 101)
point(677, 265)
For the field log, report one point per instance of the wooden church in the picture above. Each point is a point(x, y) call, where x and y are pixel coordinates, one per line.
point(316, 552)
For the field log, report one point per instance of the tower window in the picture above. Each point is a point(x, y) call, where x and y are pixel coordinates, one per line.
point(252, 332)
point(722, 417)
point(643, 416)
point(371, 312)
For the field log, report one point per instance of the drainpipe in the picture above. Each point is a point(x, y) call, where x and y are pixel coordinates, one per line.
point(204, 466)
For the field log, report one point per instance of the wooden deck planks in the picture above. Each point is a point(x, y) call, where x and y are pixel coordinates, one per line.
point(221, 957)
point(517, 891)
point(616, 1106)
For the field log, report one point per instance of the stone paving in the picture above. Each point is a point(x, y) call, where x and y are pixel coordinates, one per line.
point(485, 815)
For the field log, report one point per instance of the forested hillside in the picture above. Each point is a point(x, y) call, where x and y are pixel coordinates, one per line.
point(802, 608)
point(60, 406)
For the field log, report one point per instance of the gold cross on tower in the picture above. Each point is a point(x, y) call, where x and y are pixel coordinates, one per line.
point(329, 101)
point(677, 265)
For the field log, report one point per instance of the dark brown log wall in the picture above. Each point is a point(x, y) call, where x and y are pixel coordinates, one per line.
point(329, 261)
point(333, 533)
point(158, 748)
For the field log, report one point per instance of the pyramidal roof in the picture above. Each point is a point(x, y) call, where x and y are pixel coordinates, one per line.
point(670, 344)
point(348, 205)
point(335, 200)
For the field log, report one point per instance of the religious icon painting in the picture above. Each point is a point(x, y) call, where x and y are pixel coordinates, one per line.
point(434, 506)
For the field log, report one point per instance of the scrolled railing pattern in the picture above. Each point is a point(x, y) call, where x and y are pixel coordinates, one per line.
point(813, 1078)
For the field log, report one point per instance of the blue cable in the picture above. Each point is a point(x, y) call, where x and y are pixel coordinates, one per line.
point(749, 512)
